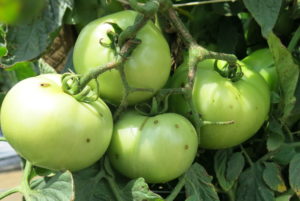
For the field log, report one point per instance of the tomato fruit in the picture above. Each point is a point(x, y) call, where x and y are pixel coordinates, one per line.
point(52, 129)
point(148, 66)
point(158, 148)
point(218, 99)
point(16, 11)
point(262, 62)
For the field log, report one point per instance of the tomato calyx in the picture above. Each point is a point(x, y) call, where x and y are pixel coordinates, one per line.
point(122, 49)
point(157, 106)
point(71, 85)
point(231, 71)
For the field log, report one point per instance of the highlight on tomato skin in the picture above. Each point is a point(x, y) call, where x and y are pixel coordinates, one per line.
point(148, 66)
point(51, 129)
point(245, 102)
point(158, 148)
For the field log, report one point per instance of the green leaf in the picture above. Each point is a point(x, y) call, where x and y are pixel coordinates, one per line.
point(59, 187)
point(228, 166)
point(265, 12)
point(252, 187)
point(235, 166)
point(220, 165)
point(294, 170)
point(288, 73)
point(276, 136)
point(272, 177)
point(141, 192)
point(30, 41)
point(23, 70)
point(98, 183)
point(45, 68)
point(198, 185)
point(284, 155)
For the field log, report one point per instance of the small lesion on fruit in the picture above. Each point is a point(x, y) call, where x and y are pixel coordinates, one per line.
point(155, 121)
point(88, 140)
point(176, 126)
point(44, 84)
point(186, 147)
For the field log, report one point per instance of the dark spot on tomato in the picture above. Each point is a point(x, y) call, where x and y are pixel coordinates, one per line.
point(176, 126)
point(231, 106)
point(44, 84)
point(88, 140)
point(256, 108)
point(213, 100)
point(182, 85)
point(155, 122)
point(186, 147)
point(101, 115)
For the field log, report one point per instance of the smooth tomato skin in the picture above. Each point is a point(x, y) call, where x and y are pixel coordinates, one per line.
point(262, 62)
point(159, 148)
point(246, 102)
point(53, 130)
point(148, 66)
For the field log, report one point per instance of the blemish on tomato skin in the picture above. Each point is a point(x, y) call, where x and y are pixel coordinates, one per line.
point(155, 121)
point(176, 126)
point(45, 85)
point(88, 140)
point(186, 147)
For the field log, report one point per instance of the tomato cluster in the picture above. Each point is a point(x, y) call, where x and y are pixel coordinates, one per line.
point(38, 115)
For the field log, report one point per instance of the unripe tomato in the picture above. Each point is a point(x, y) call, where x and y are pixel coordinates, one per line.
point(52, 129)
point(217, 99)
point(159, 148)
point(16, 11)
point(148, 66)
point(262, 62)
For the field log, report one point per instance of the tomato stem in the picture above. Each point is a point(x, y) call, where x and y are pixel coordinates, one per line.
point(246, 155)
point(114, 188)
point(9, 192)
point(177, 189)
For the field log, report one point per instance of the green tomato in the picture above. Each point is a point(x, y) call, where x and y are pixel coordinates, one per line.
point(262, 62)
point(16, 11)
point(148, 67)
point(217, 99)
point(51, 129)
point(159, 148)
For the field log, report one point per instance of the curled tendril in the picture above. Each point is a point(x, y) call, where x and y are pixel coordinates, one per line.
point(71, 86)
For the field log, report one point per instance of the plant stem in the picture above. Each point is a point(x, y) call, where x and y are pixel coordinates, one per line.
point(95, 72)
point(9, 192)
point(294, 40)
point(180, 27)
point(176, 190)
point(246, 155)
point(197, 3)
point(114, 188)
point(294, 144)
point(25, 187)
point(3, 139)
point(230, 195)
